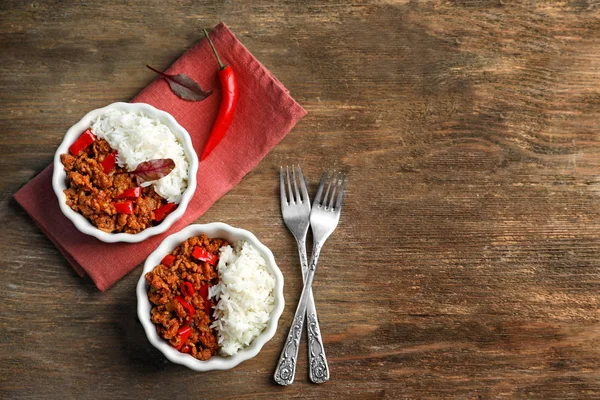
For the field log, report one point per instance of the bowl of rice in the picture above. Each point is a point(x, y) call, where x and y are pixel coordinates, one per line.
point(245, 297)
point(136, 133)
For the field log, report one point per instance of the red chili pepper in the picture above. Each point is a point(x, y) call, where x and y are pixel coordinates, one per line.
point(109, 162)
point(229, 90)
point(168, 260)
point(124, 207)
point(189, 308)
point(187, 289)
point(161, 212)
point(131, 193)
point(82, 142)
point(184, 333)
point(200, 254)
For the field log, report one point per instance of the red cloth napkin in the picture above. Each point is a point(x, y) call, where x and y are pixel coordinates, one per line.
point(265, 114)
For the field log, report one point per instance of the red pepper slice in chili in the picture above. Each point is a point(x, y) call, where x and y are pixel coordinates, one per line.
point(207, 303)
point(161, 212)
point(208, 306)
point(200, 254)
point(109, 162)
point(204, 291)
point(124, 207)
point(189, 308)
point(168, 260)
point(184, 333)
point(131, 193)
point(186, 349)
point(229, 93)
point(82, 142)
point(187, 289)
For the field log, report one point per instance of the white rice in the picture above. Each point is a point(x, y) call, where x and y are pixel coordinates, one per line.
point(244, 297)
point(139, 138)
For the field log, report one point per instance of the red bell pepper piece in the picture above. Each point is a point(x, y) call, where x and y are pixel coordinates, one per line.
point(109, 162)
point(187, 289)
point(131, 193)
point(189, 308)
point(208, 306)
point(168, 260)
point(200, 254)
point(82, 142)
point(184, 333)
point(207, 303)
point(186, 349)
point(161, 212)
point(124, 207)
point(204, 291)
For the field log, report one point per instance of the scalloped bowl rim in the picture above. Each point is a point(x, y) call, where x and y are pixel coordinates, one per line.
point(214, 230)
point(59, 175)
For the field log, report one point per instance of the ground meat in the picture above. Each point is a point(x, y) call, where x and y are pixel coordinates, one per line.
point(91, 192)
point(168, 314)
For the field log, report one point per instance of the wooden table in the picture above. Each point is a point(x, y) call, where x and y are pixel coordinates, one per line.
point(466, 263)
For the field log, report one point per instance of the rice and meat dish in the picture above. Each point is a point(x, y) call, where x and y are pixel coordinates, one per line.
point(94, 193)
point(209, 297)
point(99, 165)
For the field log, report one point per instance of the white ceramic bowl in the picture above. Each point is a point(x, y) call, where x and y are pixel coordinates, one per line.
point(59, 177)
point(232, 235)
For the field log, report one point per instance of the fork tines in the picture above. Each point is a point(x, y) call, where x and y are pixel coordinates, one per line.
point(336, 185)
point(290, 196)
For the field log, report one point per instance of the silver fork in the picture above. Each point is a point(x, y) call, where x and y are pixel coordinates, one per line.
point(296, 215)
point(324, 218)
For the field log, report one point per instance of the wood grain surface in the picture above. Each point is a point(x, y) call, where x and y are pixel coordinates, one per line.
point(466, 263)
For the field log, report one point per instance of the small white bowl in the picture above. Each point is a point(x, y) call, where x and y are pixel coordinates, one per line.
point(59, 176)
point(232, 235)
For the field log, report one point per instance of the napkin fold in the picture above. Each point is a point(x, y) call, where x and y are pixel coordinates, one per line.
point(265, 114)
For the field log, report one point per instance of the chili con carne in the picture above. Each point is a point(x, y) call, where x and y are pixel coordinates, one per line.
point(165, 284)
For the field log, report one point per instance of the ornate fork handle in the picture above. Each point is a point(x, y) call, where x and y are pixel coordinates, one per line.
point(318, 369)
point(286, 367)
